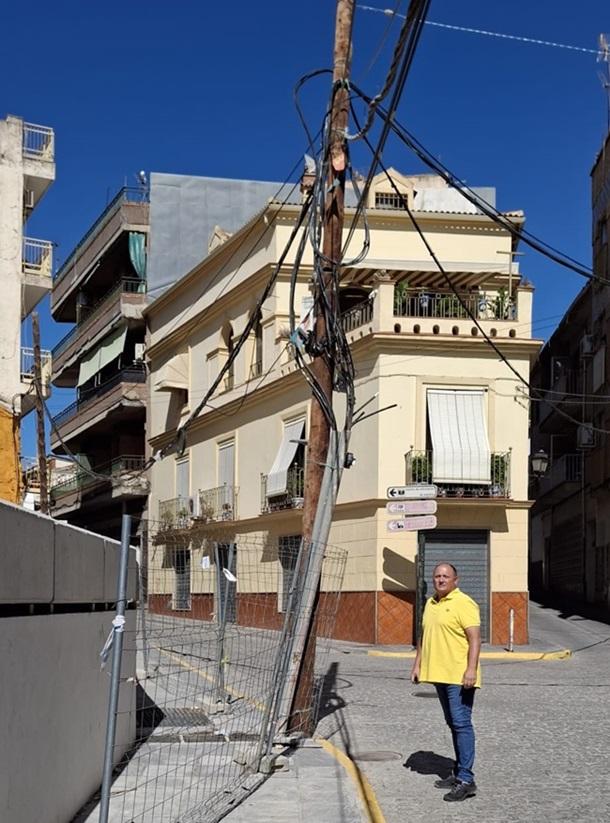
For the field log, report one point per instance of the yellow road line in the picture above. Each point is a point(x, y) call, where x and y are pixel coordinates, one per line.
point(257, 705)
point(562, 654)
point(363, 787)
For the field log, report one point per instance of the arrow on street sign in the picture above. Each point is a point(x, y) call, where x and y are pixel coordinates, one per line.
point(412, 524)
point(411, 507)
point(417, 491)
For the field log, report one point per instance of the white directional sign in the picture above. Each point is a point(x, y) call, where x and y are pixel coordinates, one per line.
point(411, 507)
point(417, 491)
point(412, 524)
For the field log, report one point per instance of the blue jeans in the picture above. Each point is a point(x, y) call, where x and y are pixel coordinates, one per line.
point(456, 702)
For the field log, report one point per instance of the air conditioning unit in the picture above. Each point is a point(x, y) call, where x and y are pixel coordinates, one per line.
point(586, 345)
point(139, 350)
point(29, 200)
point(585, 436)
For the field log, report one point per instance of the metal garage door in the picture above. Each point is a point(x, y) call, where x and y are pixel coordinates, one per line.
point(468, 551)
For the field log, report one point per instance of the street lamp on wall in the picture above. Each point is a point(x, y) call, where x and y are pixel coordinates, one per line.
point(539, 463)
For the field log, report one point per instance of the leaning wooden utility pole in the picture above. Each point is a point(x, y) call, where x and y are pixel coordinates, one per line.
point(322, 367)
point(41, 446)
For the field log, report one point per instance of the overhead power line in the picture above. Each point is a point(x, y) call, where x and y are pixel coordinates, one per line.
point(534, 41)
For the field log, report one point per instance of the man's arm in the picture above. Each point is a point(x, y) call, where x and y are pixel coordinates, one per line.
point(416, 664)
point(473, 635)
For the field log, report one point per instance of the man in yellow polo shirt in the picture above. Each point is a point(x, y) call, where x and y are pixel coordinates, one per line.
point(448, 657)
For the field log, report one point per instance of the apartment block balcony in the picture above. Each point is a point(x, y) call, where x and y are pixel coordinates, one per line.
point(292, 499)
point(218, 504)
point(123, 394)
point(357, 316)
point(561, 396)
point(121, 479)
point(38, 151)
point(420, 469)
point(175, 514)
point(562, 479)
point(126, 299)
point(28, 392)
point(127, 212)
point(445, 305)
point(36, 268)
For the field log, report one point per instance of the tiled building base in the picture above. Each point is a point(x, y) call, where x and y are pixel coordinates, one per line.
point(384, 618)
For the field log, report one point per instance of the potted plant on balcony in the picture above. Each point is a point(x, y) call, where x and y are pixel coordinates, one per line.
point(421, 468)
point(400, 291)
point(499, 475)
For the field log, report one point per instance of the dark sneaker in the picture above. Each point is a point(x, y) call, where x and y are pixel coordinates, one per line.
point(460, 791)
point(446, 782)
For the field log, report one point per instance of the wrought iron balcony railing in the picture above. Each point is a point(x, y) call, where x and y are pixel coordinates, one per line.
point(443, 305)
point(125, 195)
point(292, 499)
point(175, 513)
point(38, 141)
point(89, 313)
point(219, 503)
point(135, 373)
point(124, 468)
point(37, 257)
point(565, 469)
point(420, 469)
point(357, 316)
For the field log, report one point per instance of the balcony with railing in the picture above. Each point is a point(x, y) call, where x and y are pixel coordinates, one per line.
point(126, 388)
point(126, 298)
point(293, 497)
point(444, 305)
point(563, 477)
point(38, 142)
point(128, 211)
point(420, 469)
point(123, 477)
point(36, 267)
point(566, 383)
point(357, 316)
point(175, 514)
point(28, 394)
point(218, 504)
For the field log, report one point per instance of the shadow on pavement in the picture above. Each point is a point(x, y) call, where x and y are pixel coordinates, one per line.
point(429, 763)
point(570, 608)
point(330, 701)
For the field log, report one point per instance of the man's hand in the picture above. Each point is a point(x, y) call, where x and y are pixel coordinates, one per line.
point(469, 679)
point(415, 672)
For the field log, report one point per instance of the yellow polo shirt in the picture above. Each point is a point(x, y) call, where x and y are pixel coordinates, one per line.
point(444, 655)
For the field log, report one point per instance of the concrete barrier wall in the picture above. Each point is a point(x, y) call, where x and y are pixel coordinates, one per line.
point(54, 695)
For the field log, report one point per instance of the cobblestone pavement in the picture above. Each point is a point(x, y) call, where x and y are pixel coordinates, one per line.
point(542, 730)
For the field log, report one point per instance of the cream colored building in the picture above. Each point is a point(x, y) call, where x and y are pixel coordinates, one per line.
point(27, 169)
point(460, 417)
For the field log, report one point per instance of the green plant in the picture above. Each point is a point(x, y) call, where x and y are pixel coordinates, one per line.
point(502, 304)
point(400, 290)
point(421, 468)
point(499, 469)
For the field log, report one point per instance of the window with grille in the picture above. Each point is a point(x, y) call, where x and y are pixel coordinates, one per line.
point(390, 200)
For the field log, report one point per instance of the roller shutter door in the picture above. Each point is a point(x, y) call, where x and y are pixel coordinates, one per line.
point(469, 553)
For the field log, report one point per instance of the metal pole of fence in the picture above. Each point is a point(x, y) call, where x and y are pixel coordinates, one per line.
point(221, 610)
point(143, 596)
point(117, 651)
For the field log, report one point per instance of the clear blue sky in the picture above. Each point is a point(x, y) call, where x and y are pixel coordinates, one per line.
point(206, 88)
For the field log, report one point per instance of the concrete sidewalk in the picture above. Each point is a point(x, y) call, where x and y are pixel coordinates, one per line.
point(314, 784)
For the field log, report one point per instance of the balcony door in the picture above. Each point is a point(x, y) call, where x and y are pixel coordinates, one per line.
point(226, 478)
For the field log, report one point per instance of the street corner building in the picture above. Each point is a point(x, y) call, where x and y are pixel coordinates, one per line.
point(459, 416)
point(27, 169)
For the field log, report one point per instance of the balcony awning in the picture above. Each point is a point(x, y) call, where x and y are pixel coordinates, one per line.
point(460, 445)
point(277, 481)
point(109, 349)
point(174, 374)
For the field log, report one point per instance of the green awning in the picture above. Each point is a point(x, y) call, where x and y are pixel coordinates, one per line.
point(109, 349)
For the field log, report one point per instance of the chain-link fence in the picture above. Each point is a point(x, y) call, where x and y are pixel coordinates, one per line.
point(214, 638)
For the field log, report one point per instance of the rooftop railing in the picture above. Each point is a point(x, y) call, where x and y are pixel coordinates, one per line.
point(37, 257)
point(130, 286)
point(420, 469)
point(125, 195)
point(38, 141)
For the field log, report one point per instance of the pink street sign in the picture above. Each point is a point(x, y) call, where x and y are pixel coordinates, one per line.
point(411, 507)
point(412, 524)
